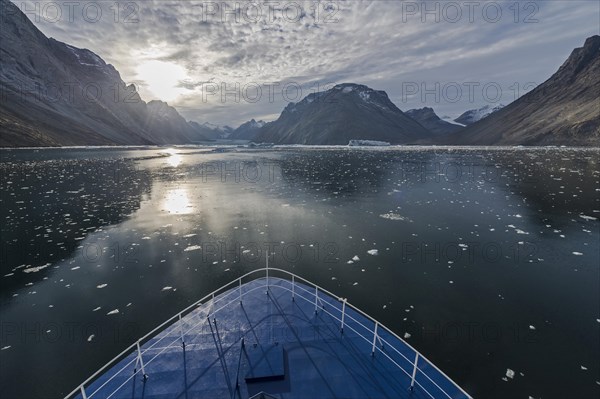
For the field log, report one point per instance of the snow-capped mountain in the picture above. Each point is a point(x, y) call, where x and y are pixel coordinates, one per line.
point(346, 112)
point(475, 115)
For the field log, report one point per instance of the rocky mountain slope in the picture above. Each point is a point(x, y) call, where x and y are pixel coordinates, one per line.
point(56, 94)
point(564, 110)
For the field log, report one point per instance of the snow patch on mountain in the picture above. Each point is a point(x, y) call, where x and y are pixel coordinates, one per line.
point(447, 118)
point(86, 57)
point(475, 115)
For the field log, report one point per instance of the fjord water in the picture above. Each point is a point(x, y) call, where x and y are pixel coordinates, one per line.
point(489, 259)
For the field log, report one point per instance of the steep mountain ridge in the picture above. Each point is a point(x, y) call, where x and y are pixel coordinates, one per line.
point(57, 94)
point(564, 110)
point(345, 112)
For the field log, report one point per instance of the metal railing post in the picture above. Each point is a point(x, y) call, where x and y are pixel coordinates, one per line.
point(267, 271)
point(293, 287)
point(181, 330)
point(141, 359)
point(316, 298)
point(374, 338)
point(414, 373)
point(83, 395)
point(212, 304)
point(343, 314)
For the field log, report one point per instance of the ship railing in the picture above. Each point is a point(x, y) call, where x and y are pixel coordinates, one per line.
point(372, 335)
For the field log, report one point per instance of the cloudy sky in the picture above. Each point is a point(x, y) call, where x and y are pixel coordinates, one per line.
point(228, 62)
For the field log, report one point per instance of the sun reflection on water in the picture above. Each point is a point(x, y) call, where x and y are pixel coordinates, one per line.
point(174, 158)
point(177, 201)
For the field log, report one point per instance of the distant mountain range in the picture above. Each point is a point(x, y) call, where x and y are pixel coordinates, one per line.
point(347, 111)
point(54, 94)
point(428, 118)
point(247, 131)
point(212, 131)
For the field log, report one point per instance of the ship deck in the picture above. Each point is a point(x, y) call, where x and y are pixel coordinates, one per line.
point(272, 338)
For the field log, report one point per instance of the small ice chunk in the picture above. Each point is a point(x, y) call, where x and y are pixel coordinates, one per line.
point(167, 288)
point(532, 327)
point(583, 368)
point(510, 373)
point(192, 248)
point(394, 216)
point(373, 252)
point(101, 285)
point(406, 335)
point(577, 253)
point(115, 311)
point(90, 338)
point(35, 269)
point(356, 258)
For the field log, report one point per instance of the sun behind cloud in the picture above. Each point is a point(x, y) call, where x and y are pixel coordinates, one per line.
point(162, 78)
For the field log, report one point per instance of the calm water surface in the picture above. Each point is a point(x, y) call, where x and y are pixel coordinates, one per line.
point(488, 259)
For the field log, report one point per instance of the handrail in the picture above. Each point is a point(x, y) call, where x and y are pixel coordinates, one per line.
point(375, 321)
point(294, 278)
point(385, 354)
